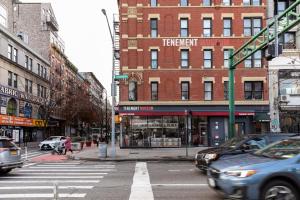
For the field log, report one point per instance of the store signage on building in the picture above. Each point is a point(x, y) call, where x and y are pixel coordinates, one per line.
point(138, 108)
point(289, 74)
point(179, 42)
point(8, 91)
point(20, 121)
point(21, 95)
point(3, 111)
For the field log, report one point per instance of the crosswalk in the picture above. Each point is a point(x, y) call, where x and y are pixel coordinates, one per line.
point(33, 154)
point(71, 180)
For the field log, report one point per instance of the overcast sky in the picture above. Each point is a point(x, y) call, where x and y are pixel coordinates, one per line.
point(84, 29)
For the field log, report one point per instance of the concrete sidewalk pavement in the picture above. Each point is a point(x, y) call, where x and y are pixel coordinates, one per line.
point(149, 154)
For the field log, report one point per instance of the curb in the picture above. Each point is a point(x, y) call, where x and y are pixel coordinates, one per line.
point(169, 159)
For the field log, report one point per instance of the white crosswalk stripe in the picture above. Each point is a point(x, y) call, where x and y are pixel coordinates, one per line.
point(33, 154)
point(74, 180)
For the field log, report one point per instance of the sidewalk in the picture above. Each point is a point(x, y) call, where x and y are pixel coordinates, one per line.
point(154, 154)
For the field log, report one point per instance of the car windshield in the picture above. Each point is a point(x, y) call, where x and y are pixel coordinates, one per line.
point(232, 143)
point(281, 150)
point(52, 138)
point(6, 144)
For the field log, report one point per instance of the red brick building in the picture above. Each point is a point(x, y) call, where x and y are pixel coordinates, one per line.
point(176, 55)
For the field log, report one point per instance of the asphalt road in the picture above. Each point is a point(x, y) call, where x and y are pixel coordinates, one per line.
point(107, 181)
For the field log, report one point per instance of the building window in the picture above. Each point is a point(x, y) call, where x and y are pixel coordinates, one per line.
point(207, 27)
point(3, 16)
point(154, 59)
point(10, 75)
point(206, 2)
point(281, 6)
point(288, 40)
point(207, 53)
point(26, 62)
point(252, 26)
point(184, 27)
point(226, 58)
point(253, 90)
point(154, 91)
point(153, 27)
point(251, 2)
point(153, 3)
point(132, 91)
point(254, 61)
point(184, 58)
point(226, 2)
point(184, 2)
point(227, 27)
point(30, 64)
point(9, 52)
point(12, 107)
point(226, 90)
point(208, 90)
point(185, 90)
point(28, 86)
point(15, 55)
point(15, 80)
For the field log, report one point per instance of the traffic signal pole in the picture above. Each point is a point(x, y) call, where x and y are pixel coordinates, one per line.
point(281, 24)
point(231, 97)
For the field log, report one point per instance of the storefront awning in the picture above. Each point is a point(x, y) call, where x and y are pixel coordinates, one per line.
point(193, 113)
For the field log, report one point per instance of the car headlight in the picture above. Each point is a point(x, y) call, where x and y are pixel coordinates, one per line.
point(196, 156)
point(210, 156)
point(241, 173)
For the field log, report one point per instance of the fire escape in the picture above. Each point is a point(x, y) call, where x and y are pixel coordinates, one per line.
point(116, 25)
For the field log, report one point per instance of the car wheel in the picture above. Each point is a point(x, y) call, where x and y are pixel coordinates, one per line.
point(4, 171)
point(277, 190)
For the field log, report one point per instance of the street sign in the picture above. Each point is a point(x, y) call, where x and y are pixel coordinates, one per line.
point(118, 77)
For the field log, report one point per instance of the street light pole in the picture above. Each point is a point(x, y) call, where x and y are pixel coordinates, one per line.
point(113, 93)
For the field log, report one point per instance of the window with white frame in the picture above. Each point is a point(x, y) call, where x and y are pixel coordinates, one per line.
point(184, 58)
point(154, 58)
point(153, 3)
point(184, 2)
point(153, 27)
point(252, 26)
point(227, 23)
point(208, 90)
point(184, 27)
point(207, 54)
point(207, 27)
point(185, 90)
point(206, 2)
point(254, 61)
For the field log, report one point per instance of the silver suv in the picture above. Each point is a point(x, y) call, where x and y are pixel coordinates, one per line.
point(10, 155)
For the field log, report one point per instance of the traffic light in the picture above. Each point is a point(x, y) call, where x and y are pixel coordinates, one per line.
point(270, 51)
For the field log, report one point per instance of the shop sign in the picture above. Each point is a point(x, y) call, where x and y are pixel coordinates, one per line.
point(3, 110)
point(138, 108)
point(21, 95)
point(20, 121)
point(180, 42)
point(39, 123)
point(289, 74)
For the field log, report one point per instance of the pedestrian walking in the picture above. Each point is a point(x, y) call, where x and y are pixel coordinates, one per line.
point(68, 145)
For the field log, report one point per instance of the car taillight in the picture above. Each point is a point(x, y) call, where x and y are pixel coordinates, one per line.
point(3, 149)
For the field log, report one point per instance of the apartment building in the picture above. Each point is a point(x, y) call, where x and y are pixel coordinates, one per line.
point(24, 84)
point(175, 54)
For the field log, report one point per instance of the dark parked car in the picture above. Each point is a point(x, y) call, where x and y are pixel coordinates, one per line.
point(237, 145)
point(271, 173)
point(10, 155)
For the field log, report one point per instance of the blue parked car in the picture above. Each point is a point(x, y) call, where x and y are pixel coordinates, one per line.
point(272, 173)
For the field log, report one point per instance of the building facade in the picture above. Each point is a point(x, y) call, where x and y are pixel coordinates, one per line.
point(284, 75)
point(24, 88)
point(175, 54)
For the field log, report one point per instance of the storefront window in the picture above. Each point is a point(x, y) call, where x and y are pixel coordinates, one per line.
point(12, 107)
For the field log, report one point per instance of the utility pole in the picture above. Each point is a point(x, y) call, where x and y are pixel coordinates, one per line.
point(113, 92)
